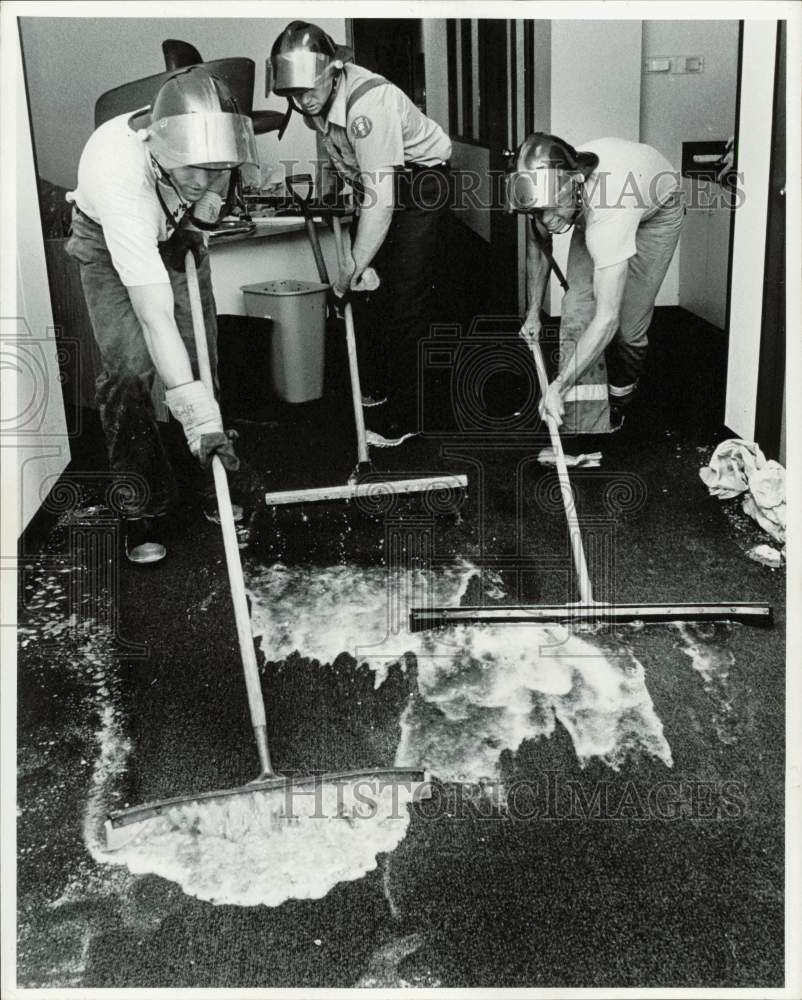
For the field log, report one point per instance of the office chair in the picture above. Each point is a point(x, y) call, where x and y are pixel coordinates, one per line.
point(237, 73)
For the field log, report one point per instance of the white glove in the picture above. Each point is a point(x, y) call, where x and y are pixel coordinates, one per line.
point(368, 281)
point(206, 209)
point(194, 406)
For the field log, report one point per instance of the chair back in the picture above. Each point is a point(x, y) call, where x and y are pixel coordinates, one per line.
point(178, 54)
point(238, 73)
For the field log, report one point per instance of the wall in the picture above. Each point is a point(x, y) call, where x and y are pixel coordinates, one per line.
point(595, 79)
point(595, 92)
point(688, 107)
point(70, 62)
point(435, 62)
point(36, 421)
point(749, 243)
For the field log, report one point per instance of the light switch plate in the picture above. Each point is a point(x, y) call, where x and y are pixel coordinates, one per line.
point(674, 64)
point(687, 64)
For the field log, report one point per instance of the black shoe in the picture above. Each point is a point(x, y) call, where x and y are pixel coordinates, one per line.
point(620, 403)
point(371, 399)
point(617, 416)
point(143, 540)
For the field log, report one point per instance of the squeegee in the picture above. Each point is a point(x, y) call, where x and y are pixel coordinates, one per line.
point(586, 609)
point(260, 804)
point(363, 484)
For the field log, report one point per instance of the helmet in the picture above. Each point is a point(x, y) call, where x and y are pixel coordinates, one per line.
point(541, 168)
point(303, 56)
point(194, 121)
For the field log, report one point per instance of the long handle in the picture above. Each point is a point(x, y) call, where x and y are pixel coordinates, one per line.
point(256, 702)
point(577, 549)
point(353, 364)
point(311, 231)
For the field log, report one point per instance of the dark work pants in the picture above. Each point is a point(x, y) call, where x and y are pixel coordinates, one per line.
point(586, 404)
point(135, 449)
point(392, 321)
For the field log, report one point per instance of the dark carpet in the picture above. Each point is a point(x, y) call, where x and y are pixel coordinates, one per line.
point(689, 895)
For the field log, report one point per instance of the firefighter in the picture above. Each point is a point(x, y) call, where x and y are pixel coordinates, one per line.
point(397, 161)
point(623, 201)
point(148, 185)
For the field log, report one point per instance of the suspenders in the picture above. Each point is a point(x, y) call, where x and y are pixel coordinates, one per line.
point(363, 88)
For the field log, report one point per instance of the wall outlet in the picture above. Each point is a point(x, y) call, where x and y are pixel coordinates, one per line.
point(687, 64)
point(674, 64)
point(657, 64)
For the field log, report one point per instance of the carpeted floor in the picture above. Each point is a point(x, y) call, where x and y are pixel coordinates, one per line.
point(129, 689)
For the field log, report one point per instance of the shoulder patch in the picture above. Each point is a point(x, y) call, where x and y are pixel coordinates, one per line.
point(361, 127)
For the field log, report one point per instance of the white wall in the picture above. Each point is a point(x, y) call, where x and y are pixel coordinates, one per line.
point(34, 426)
point(595, 79)
point(595, 92)
point(749, 245)
point(677, 108)
point(435, 64)
point(70, 62)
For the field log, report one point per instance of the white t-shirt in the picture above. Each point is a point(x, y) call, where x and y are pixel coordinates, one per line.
point(629, 185)
point(117, 189)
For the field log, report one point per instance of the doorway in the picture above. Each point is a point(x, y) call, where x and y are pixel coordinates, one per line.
point(393, 48)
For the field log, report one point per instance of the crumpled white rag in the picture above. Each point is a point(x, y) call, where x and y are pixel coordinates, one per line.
point(738, 466)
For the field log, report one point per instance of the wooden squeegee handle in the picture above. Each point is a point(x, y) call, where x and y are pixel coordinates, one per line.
point(353, 364)
point(577, 548)
point(253, 684)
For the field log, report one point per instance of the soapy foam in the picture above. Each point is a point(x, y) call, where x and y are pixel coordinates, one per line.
point(321, 612)
point(482, 690)
point(509, 685)
point(712, 661)
point(61, 643)
point(248, 851)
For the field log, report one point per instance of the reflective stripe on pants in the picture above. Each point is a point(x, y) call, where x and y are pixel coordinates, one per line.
point(656, 241)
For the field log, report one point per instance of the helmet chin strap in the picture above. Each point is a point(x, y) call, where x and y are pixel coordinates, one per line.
point(576, 194)
point(163, 177)
point(325, 109)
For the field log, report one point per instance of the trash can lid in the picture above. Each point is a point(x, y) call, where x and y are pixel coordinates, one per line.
point(284, 286)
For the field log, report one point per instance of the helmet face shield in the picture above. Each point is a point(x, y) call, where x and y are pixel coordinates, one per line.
point(218, 140)
point(298, 70)
point(529, 190)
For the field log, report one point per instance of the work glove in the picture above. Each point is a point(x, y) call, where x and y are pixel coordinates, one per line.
point(205, 212)
point(198, 413)
point(367, 281)
point(220, 444)
point(174, 250)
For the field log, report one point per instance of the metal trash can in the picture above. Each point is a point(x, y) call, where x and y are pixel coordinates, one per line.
point(298, 313)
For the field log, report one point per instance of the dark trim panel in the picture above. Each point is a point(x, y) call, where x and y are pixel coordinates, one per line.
point(529, 77)
point(735, 167)
point(771, 367)
point(468, 95)
point(451, 53)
